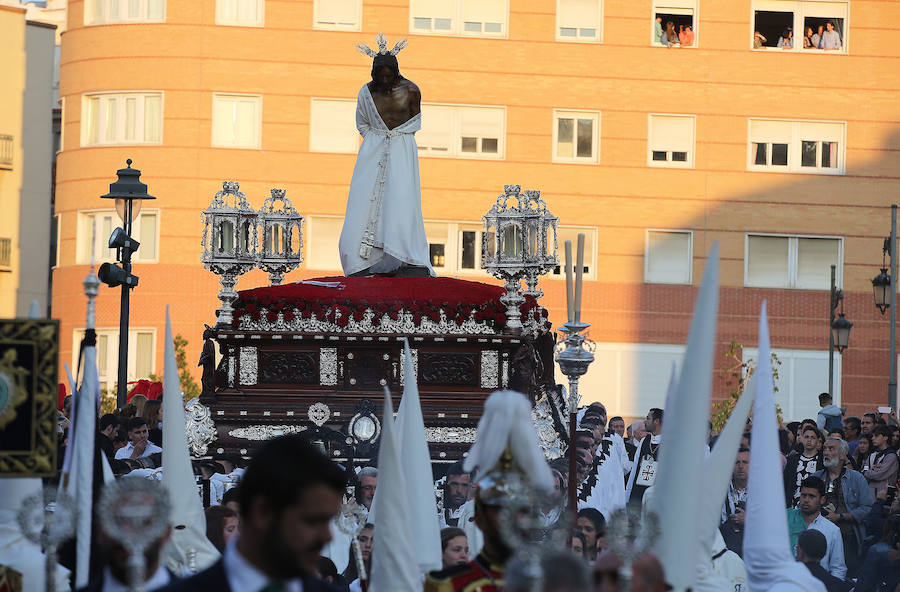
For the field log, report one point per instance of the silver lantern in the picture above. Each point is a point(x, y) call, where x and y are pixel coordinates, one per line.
point(519, 242)
point(281, 250)
point(229, 243)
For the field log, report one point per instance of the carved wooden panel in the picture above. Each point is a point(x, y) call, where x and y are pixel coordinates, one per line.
point(368, 369)
point(448, 368)
point(288, 367)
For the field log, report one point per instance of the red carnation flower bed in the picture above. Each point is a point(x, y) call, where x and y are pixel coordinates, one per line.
point(423, 297)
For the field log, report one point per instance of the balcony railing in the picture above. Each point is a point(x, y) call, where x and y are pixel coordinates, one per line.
point(6, 151)
point(5, 252)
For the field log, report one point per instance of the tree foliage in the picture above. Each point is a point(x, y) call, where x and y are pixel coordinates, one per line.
point(737, 372)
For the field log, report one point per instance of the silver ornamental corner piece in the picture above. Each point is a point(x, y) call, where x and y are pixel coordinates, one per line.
point(199, 427)
point(319, 413)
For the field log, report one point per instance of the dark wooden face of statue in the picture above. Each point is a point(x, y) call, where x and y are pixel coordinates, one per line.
point(397, 99)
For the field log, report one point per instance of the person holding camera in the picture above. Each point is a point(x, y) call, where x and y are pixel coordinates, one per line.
point(733, 512)
point(848, 499)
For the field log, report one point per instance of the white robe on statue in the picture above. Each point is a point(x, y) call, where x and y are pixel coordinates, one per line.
point(383, 227)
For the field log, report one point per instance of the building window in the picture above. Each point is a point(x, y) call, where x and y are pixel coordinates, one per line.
point(808, 26)
point(5, 253)
point(7, 149)
point(792, 261)
point(674, 23)
point(321, 238)
point(103, 12)
point(236, 121)
point(670, 141)
point(141, 354)
point(462, 132)
point(579, 20)
point(668, 257)
point(241, 13)
point(481, 18)
point(337, 15)
point(570, 233)
point(576, 136)
point(332, 126)
point(796, 146)
point(800, 373)
point(122, 118)
point(95, 227)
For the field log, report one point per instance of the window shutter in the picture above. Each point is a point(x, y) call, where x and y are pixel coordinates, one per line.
point(672, 133)
point(337, 12)
point(147, 250)
point(668, 257)
point(433, 9)
point(815, 256)
point(584, 14)
point(152, 118)
point(481, 122)
point(437, 128)
point(766, 130)
point(223, 121)
point(333, 126)
point(485, 11)
point(767, 261)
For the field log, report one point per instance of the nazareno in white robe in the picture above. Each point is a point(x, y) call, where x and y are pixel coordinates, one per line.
point(384, 208)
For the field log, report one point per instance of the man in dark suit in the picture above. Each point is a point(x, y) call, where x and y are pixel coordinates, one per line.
point(811, 547)
point(288, 496)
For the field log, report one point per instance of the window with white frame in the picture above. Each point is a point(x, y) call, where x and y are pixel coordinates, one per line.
point(674, 23)
point(62, 124)
point(321, 238)
point(800, 25)
point(796, 146)
point(668, 257)
point(236, 120)
point(670, 140)
point(337, 15)
point(632, 377)
point(332, 126)
point(141, 357)
point(802, 262)
point(579, 20)
point(95, 227)
point(462, 131)
point(241, 13)
point(103, 12)
point(570, 233)
point(121, 118)
point(483, 18)
point(802, 375)
point(576, 136)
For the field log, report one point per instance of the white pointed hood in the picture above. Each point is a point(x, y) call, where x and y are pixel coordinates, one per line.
point(394, 561)
point(767, 554)
point(684, 432)
point(416, 459)
point(188, 550)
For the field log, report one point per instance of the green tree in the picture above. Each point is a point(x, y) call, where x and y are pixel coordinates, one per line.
point(189, 386)
point(737, 372)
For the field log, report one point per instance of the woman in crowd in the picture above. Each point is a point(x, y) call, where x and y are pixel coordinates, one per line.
point(138, 401)
point(670, 36)
point(454, 547)
point(592, 524)
point(786, 41)
point(859, 460)
point(221, 526)
point(686, 36)
point(807, 39)
point(365, 538)
point(152, 414)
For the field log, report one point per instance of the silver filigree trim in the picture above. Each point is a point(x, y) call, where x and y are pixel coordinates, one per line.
point(450, 435)
point(328, 366)
point(548, 438)
point(319, 413)
point(490, 371)
point(231, 371)
point(414, 353)
point(248, 366)
point(505, 373)
point(199, 427)
point(265, 432)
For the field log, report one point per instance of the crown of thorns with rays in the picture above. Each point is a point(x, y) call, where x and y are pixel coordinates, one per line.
point(382, 47)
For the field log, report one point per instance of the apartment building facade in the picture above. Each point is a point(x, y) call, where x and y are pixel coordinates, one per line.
point(784, 154)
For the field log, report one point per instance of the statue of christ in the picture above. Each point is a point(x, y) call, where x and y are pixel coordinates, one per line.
point(383, 230)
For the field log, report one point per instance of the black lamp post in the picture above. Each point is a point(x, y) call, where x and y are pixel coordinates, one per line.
point(129, 193)
point(839, 329)
point(886, 298)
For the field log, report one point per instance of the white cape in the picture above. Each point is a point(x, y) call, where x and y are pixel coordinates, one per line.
point(385, 187)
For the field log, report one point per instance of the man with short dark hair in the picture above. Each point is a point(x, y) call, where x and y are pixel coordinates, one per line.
point(829, 416)
point(288, 496)
point(799, 466)
point(617, 424)
point(812, 497)
point(851, 433)
point(645, 458)
point(811, 548)
point(732, 523)
point(108, 426)
point(139, 444)
point(456, 492)
point(882, 462)
point(867, 423)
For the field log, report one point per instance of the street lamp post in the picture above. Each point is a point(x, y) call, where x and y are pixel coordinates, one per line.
point(128, 193)
point(886, 298)
point(838, 329)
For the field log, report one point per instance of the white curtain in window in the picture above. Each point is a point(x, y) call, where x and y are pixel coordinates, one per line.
point(768, 261)
point(93, 120)
point(156, 9)
point(152, 118)
point(481, 122)
point(668, 257)
point(110, 119)
point(770, 130)
point(815, 256)
point(245, 124)
point(130, 115)
point(227, 10)
point(337, 12)
point(583, 14)
point(143, 359)
point(332, 126)
point(147, 251)
point(671, 133)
